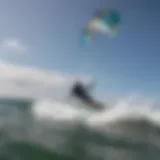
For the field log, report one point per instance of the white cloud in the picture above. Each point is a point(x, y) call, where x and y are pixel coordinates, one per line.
point(12, 45)
point(19, 81)
point(32, 82)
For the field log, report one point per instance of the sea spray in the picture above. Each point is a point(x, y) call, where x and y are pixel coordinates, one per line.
point(28, 134)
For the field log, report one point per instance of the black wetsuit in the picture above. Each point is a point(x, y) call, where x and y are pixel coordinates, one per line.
point(80, 92)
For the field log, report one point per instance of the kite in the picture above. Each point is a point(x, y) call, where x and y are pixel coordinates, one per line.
point(104, 21)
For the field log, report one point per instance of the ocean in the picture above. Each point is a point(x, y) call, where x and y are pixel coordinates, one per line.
point(39, 130)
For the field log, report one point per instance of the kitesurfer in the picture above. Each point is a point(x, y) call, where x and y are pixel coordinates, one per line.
point(81, 92)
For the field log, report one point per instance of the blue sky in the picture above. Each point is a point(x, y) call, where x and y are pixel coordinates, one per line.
point(51, 30)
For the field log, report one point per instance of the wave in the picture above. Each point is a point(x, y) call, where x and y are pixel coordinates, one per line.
point(53, 130)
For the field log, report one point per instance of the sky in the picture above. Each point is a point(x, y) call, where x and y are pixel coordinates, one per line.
point(39, 44)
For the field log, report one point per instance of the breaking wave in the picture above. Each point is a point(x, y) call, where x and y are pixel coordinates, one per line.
point(45, 130)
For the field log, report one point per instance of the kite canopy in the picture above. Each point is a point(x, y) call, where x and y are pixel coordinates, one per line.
point(103, 21)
